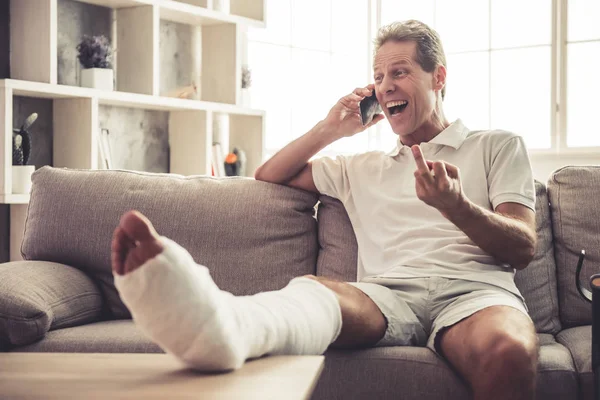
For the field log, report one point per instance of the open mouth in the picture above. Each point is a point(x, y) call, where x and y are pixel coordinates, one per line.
point(396, 107)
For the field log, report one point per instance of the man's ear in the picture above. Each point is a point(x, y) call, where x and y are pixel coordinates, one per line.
point(439, 75)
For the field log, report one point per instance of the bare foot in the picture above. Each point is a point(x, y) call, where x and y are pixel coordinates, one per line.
point(134, 242)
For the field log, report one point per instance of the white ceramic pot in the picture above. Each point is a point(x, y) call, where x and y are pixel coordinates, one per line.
point(97, 78)
point(21, 178)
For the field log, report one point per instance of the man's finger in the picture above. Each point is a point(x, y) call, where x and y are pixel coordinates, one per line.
point(419, 159)
point(453, 171)
point(363, 92)
point(352, 97)
point(351, 101)
point(439, 169)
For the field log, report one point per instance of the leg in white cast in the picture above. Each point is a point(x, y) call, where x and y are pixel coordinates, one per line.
point(177, 304)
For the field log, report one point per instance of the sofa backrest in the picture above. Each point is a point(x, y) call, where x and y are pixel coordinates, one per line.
point(253, 236)
point(338, 258)
point(575, 204)
point(537, 282)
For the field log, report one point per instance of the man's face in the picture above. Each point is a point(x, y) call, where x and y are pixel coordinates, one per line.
point(405, 91)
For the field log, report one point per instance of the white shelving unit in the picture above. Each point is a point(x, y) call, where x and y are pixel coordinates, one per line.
point(76, 109)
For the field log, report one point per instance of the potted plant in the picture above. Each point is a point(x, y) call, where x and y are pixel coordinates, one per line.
point(95, 56)
point(21, 172)
point(246, 83)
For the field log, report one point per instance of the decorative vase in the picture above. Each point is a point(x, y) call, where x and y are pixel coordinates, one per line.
point(21, 178)
point(97, 78)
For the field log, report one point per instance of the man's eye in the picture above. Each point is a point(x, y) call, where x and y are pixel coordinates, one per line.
point(378, 79)
point(398, 73)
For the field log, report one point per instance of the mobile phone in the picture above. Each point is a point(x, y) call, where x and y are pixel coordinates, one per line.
point(369, 107)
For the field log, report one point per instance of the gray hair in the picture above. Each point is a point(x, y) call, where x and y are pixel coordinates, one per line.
point(430, 52)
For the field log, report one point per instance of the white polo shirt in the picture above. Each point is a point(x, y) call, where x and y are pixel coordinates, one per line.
point(399, 235)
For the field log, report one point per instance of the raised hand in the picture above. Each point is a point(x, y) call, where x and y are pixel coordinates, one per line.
point(437, 183)
point(344, 118)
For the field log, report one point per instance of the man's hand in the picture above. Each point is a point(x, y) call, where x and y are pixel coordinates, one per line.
point(344, 118)
point(509, 238)
point(438, 183)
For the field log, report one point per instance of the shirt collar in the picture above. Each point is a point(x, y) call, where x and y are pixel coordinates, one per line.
point(454, 136)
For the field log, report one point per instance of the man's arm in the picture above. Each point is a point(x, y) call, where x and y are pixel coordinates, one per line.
point(508, 234)
point(290, 166)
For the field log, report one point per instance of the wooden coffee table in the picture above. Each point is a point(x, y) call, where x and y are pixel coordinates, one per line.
point(151, 376)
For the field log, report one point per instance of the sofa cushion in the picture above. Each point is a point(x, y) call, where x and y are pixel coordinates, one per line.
point(37, 296)
point(537, 282)
point(120, 336)
point(579, 342)
point(252, 235)
point(338, 254)
point(574, 194)
point(417, 373)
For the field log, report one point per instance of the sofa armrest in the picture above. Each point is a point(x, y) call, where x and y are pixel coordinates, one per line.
point(39, 296)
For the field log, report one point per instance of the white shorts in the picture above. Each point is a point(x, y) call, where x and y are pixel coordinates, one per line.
point(416, 309)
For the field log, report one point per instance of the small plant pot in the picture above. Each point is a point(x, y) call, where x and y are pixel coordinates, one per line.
point(21, 178)
point(97, 78)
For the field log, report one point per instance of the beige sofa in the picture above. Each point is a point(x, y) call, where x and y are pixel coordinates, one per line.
point(256, 236)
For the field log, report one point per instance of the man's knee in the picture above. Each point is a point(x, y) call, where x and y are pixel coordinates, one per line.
point(362, 321)
point(507, 353)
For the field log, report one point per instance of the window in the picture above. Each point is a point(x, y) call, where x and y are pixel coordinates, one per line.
point(312, 53)
point(510, 65)
point(582, 87)
point(498, 55)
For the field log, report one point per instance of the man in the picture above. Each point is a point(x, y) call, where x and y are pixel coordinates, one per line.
point(441, 223)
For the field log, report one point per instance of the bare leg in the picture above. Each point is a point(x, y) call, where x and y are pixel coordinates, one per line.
point(363, 324)
point(496, 351)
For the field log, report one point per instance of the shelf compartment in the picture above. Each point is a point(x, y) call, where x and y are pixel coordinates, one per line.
point(190, 141)
point(178, 11)
point(137, 50)
point(247, 133)
point(33, 22)
point(123, 99)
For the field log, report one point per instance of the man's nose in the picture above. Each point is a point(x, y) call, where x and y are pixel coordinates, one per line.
point(387, 85)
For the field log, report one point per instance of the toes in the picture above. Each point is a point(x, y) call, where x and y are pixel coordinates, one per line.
point(120, 247)
point(137, 227)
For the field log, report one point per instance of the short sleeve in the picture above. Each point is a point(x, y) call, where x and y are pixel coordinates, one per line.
point(511, 177)
point(331, 176)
